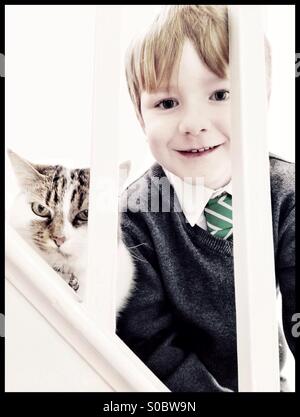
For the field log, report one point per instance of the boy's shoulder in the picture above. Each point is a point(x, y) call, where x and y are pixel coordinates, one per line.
point(278, 158)
point(138, 193)
point(282, 175)
point(154, 171)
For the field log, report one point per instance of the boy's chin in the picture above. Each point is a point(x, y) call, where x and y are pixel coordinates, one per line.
point(218, 182)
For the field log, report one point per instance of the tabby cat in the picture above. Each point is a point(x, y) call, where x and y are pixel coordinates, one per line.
point(51, 214)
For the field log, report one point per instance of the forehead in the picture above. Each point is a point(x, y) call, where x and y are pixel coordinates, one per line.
point(190, 70)
point(192, 67)
point(62, 184)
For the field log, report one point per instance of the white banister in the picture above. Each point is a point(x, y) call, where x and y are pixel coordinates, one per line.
point(99, 295)
point(106, 354)
point(257, 332)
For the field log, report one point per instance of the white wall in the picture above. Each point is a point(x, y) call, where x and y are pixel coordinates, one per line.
point(37, 358)
point(280, 30)
point(48, 82)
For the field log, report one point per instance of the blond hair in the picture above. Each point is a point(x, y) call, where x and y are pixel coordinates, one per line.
point(151, 58)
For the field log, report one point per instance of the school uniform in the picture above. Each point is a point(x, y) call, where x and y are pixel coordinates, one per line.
point(180, 319)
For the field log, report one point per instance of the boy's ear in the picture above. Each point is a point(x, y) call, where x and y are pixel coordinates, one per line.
point(26, 173)
point(124, 169)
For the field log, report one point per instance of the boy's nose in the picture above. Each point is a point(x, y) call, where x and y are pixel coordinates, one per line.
point(192, 131)
point(193, 124)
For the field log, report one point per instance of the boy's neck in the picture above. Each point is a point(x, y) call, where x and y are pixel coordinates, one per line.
point(212, 185)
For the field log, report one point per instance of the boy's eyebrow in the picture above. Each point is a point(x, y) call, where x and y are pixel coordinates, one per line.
point(164, 89)
point(209, 81)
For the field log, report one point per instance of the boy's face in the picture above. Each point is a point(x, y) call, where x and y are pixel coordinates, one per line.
point(194, 114)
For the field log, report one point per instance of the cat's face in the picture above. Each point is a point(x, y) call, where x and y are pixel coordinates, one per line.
point(52, 209)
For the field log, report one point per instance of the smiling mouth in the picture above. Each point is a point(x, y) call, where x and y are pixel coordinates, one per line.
point(197, 152)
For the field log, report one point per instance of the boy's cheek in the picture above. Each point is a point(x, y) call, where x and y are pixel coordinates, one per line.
point(142, 123)
point(228, 129)
point(158, 138)
point(225, 129)
point(154, 143)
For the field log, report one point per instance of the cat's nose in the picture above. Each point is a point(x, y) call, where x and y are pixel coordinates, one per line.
point(59, 240)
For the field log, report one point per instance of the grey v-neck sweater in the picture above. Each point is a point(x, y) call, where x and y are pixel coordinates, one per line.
point(180, 319)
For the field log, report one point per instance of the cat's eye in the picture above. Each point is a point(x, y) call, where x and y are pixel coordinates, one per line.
point(40, 210)
point(83, 215)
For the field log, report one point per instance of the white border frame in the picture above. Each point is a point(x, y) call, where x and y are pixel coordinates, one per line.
point(258, 356)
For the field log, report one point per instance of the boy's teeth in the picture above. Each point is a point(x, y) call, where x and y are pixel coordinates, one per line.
point(201, 150)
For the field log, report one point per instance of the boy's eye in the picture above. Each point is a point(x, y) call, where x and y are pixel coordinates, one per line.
point(220, 95)
point(40, 210)
point(167, 104)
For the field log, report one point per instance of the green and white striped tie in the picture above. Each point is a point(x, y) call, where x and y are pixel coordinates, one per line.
point(218, 214)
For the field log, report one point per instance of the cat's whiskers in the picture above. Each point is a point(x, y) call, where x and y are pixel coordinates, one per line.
point(132, 254)
point(136, 246)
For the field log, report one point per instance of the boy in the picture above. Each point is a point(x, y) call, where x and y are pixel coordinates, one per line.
point(180, 319)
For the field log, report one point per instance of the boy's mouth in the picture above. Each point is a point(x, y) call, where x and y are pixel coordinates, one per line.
point(198, 152)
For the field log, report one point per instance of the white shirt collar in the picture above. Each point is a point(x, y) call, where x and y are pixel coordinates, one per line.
point(193, 198)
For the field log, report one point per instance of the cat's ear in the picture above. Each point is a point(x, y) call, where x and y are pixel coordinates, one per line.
point(26, 173)
point(124, 169)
